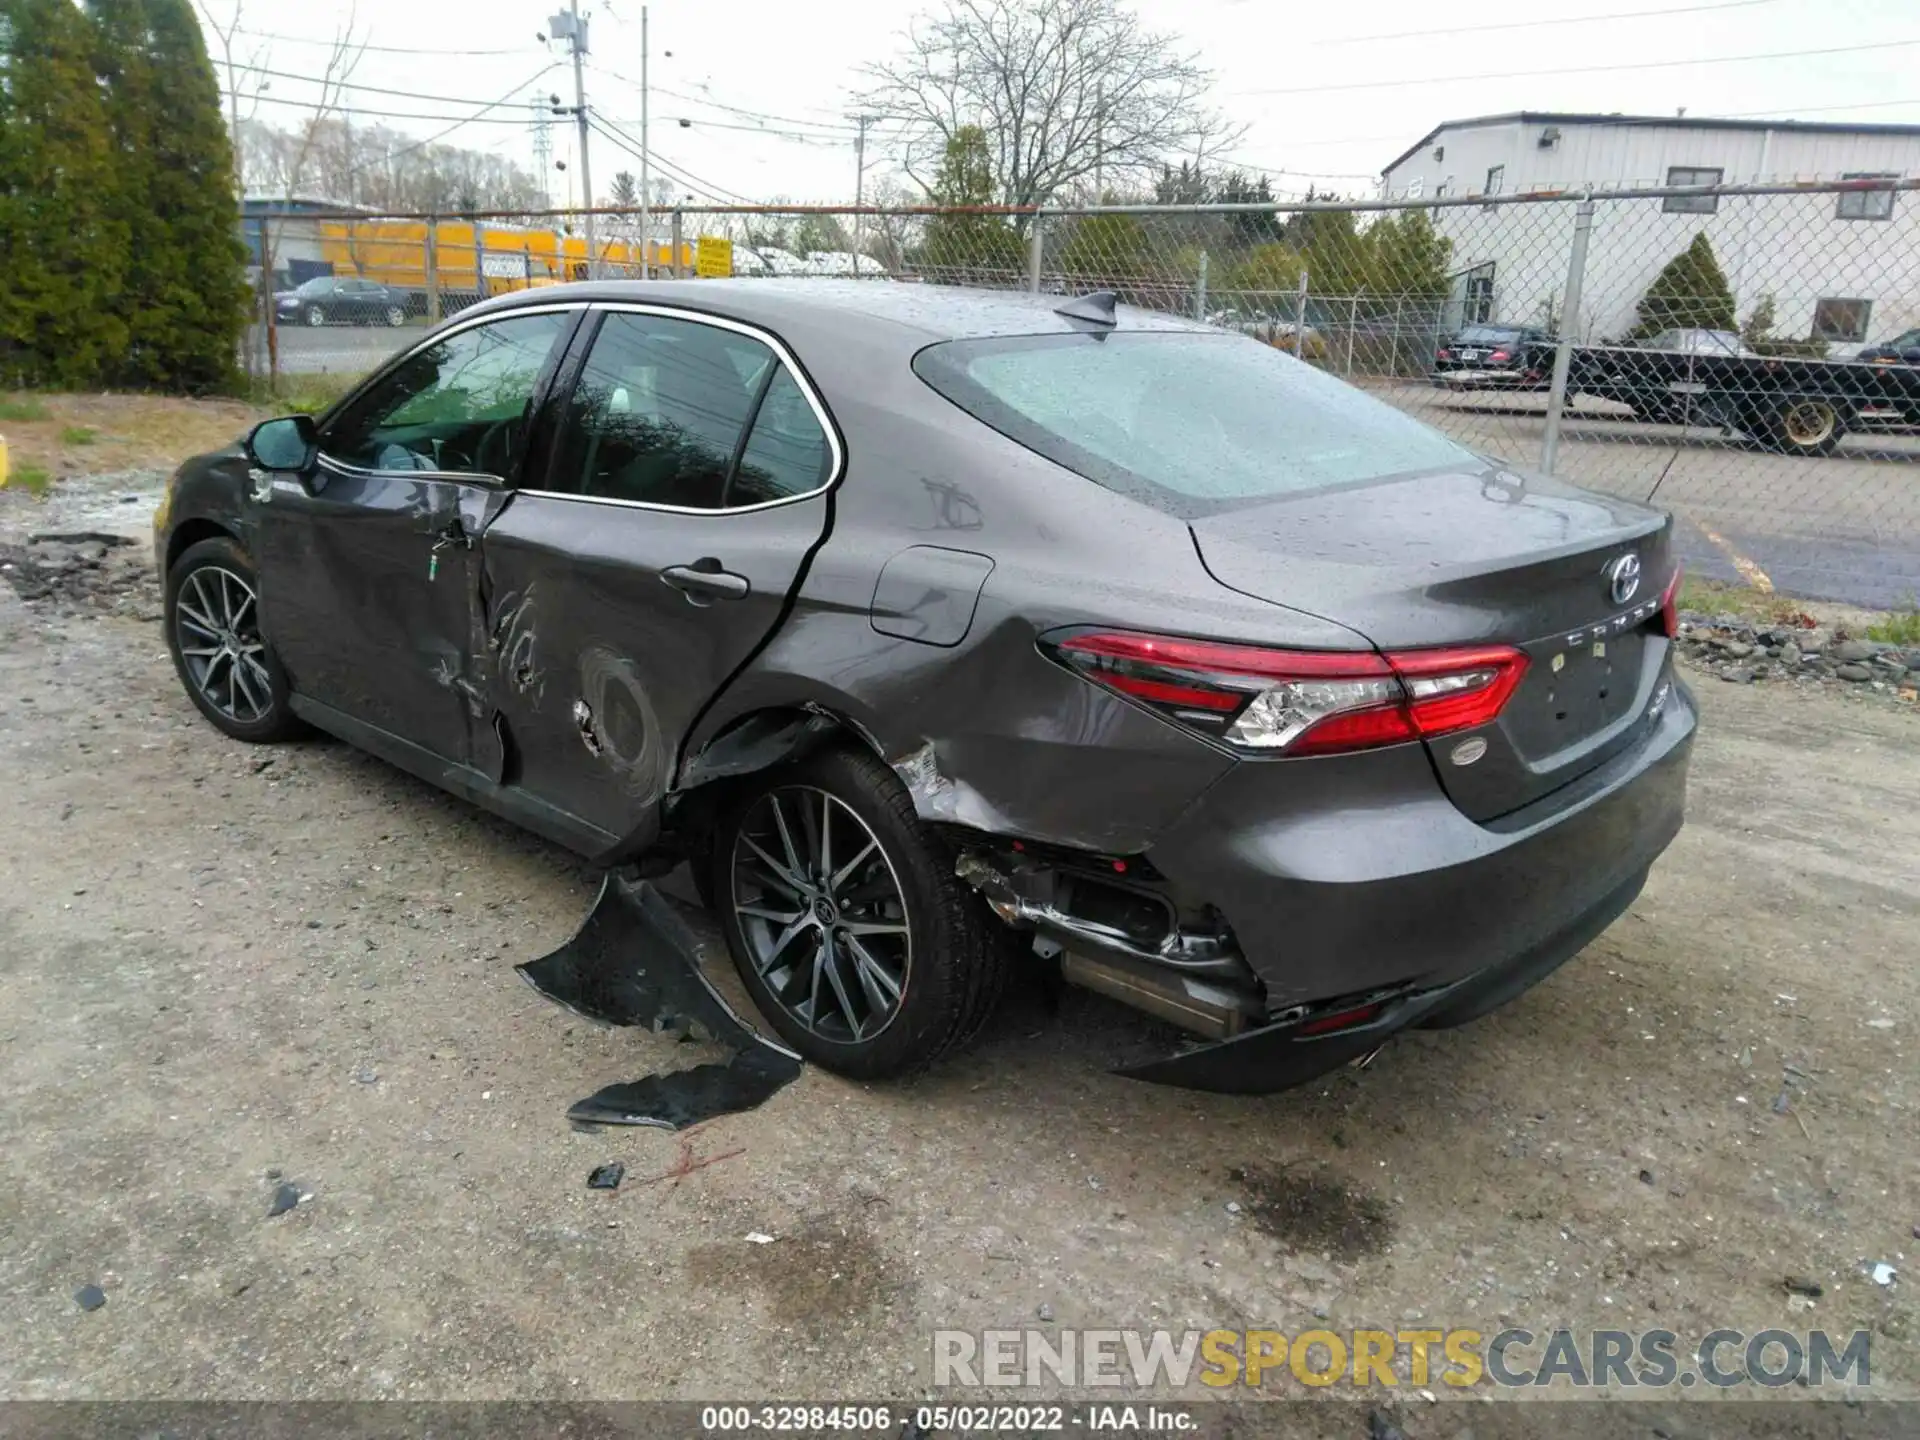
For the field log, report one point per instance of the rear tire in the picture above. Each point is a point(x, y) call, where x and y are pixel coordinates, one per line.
point(212, 621)
point(396, 317)
point(947, 960)
point(1804, 425)
point(316, 317)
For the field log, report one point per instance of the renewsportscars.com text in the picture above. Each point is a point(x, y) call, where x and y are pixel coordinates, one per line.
point(1512, 1358)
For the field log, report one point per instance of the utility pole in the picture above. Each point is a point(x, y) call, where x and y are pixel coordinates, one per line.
point(1099, 140)
point(859, 187)
point(646, 180)
point(543, 149)
point(570, 27)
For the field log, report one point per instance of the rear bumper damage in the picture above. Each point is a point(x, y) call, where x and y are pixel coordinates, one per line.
point(1310, 912)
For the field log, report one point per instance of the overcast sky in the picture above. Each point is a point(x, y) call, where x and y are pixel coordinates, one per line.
point(1330, 93)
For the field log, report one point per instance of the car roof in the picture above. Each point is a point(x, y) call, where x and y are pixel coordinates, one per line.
point(917, 314)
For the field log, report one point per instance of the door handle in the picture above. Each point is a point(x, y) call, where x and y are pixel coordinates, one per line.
point(704, 582)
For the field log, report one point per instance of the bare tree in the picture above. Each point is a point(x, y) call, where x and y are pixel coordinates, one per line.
point(1069, 93)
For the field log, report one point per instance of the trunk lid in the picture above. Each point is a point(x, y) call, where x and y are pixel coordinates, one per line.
point(1478, 557)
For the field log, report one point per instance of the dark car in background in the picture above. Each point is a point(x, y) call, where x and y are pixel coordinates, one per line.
point(1490, 356)
point(341, 300)
point(1902, 349)
point(909, 616)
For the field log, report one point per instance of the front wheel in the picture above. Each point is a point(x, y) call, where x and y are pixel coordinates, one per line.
point(846, 921)
point(212, 617)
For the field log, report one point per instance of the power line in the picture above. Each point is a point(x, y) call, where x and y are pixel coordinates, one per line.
point(1535, 24)
point(686, 177)
point(1581, 69)
point(356, 111)
point(370, 89)
point(373, 49)
point(822, 126)
point(438, 136)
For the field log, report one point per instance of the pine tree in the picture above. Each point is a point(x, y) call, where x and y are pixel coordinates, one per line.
point(1690, 293)
point(60, 302)
point(185, 292)
point(971, 244)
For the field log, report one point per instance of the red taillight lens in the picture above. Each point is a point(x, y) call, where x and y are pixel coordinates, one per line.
point(1670, 606)
point(1499, 355)
point(1298, 702)
point(1443, 355)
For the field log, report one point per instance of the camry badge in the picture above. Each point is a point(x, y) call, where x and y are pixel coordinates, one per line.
point(1623, 578)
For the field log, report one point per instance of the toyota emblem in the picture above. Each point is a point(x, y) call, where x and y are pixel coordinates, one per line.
point(1623, 578)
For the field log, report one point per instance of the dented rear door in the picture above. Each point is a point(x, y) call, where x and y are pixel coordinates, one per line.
point(686, 485)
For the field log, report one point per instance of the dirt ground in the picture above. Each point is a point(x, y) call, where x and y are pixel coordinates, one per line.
point(225, 968)
point(73, 435)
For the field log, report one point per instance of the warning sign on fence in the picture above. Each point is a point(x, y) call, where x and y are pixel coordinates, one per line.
point(713, 257)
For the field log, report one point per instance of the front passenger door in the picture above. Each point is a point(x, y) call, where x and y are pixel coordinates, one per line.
point(689, 484)
point(369, 581)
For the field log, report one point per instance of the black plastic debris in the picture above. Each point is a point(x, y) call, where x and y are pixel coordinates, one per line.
point(284, 1199)
point(635, 962)
point(1802, 1285)
point(89, 1297)
point(607, 1177)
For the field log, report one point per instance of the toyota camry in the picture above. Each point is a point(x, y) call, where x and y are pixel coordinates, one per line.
point(944, 633)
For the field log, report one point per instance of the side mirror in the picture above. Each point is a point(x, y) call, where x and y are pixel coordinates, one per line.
point(284, 445)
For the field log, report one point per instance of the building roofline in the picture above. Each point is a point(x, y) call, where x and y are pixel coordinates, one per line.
point(1677, 122)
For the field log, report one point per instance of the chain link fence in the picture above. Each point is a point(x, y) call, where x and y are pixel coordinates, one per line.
point(1748, 357)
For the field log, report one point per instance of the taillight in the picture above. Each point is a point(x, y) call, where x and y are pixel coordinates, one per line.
point(1499, 355)
point(1443, 355)
point(1297, 702)
point(1670, 606)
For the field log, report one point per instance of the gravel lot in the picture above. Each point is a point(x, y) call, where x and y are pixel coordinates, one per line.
point(225, 968)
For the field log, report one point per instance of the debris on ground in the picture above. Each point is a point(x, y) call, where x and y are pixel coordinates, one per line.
point(606, 1177)
point(1801, 1285)
point(284, 1199)
point(759, 1237)
point(89, 1297)
point(1380, 1426)
point(82, 570)
point(635, 962)
point(1882, 1273)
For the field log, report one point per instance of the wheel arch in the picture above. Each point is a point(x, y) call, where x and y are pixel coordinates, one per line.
point(191, 532)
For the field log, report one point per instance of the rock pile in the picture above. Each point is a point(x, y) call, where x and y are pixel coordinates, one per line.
point(1742, 651)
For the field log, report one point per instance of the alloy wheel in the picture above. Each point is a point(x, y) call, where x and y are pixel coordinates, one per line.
point(822, 913)
point(1810, 422)
point(216, 624)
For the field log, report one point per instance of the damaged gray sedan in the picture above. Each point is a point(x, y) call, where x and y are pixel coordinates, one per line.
point(945, 632)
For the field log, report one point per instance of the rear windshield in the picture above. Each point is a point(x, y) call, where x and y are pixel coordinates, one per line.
point(1191, 423)
point(1487, 335)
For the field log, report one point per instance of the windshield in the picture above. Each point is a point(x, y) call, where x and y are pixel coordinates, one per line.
point(1190, 423)
point(1487, 335)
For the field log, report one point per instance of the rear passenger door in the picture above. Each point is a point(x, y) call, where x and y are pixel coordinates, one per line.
point(687, 482)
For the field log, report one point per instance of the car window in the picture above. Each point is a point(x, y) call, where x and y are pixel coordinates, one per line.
point(787, 450)
point(1487, 335)
point(319, 285)
point(1193, 424)
point(659, 409)
point(457, 405)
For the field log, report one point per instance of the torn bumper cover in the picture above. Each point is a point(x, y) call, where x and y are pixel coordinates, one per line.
point(635, 962)
point(1310, 1041)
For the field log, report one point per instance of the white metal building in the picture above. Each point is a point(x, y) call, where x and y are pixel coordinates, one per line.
point(1840, 268)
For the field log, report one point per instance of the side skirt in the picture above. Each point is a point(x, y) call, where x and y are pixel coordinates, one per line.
point(509, 802)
